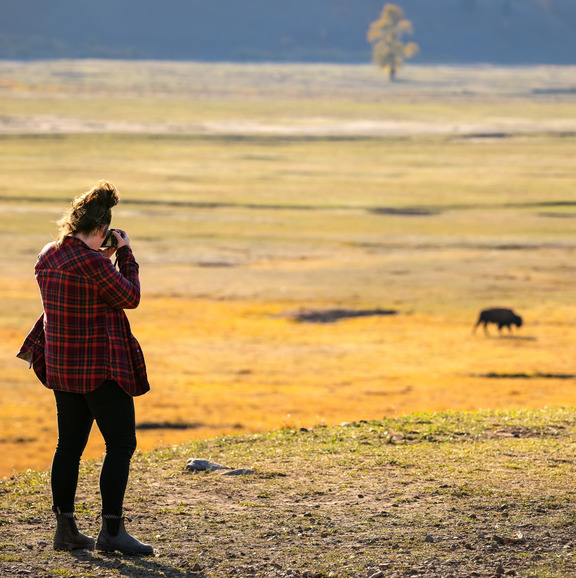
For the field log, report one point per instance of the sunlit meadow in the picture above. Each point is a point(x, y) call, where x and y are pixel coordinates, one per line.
point(253, 192)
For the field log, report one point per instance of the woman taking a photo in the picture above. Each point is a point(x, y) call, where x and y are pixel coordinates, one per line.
point(83, 349)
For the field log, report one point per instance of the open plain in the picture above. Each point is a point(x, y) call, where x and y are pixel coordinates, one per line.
point(254, 193)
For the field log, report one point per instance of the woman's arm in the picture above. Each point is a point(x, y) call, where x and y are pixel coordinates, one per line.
point(120, 288)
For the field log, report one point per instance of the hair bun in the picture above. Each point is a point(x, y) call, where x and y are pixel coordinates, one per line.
point(107, 194)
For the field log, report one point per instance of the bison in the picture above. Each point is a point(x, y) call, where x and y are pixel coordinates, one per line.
point(499, 316)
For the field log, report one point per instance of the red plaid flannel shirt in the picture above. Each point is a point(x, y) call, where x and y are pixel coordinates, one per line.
point(83, 336)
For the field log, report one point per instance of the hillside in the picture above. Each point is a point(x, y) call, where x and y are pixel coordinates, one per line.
point(448, 31)
point(435, 495)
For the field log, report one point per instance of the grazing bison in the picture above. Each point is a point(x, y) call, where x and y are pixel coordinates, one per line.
point(499, 316)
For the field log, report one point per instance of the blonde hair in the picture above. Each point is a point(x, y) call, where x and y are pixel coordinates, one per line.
point(89, 212)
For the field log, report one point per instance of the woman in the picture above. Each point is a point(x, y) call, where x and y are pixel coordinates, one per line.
point(82, 348)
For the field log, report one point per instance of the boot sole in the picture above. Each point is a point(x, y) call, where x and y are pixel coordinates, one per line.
point(124, 551)
point(68, 547)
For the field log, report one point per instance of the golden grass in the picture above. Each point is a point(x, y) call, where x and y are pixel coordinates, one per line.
point(232, 233)
point(241, 366)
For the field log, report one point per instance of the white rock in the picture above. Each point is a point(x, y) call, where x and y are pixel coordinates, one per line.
point(200, 465)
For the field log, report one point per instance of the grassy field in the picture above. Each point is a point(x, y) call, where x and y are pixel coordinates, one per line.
point(252, 192)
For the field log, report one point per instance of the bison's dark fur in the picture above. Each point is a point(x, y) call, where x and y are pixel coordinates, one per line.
point(499, 316)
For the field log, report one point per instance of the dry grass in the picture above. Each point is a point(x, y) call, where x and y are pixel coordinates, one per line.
point(234, 233)
point(435, 495)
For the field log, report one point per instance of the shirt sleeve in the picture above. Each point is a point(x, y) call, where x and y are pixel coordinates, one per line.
point(120, 288)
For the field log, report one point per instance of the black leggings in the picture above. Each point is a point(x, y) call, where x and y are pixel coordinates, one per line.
point(113, 410)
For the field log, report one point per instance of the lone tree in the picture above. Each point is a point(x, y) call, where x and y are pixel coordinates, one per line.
point(385, 35)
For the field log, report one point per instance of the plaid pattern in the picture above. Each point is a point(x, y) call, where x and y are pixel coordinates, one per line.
point(83, 336)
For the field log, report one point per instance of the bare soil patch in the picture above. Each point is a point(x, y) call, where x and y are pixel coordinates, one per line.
point(432, 495)
point(331, 315)
point(45, 124)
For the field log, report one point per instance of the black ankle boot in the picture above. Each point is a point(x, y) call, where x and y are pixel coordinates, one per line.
point(113, 536)
point(68, 537)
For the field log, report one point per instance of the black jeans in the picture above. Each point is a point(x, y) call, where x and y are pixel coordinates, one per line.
point(113, 410)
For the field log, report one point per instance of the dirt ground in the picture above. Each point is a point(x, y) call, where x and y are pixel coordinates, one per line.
point(359, 500)
point(311, 127)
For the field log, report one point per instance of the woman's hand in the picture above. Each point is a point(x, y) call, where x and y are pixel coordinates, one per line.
point(121, 237)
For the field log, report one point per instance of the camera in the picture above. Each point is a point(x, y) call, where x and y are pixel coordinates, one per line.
point(110, 240)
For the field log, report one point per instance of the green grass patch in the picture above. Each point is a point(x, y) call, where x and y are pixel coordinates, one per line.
point(466, 491)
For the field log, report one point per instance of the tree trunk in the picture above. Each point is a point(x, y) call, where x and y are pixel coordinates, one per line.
point(392, 75)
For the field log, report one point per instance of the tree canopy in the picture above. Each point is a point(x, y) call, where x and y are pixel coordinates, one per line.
point(385, 34)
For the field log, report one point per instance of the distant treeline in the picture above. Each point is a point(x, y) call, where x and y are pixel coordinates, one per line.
point(448, 31)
